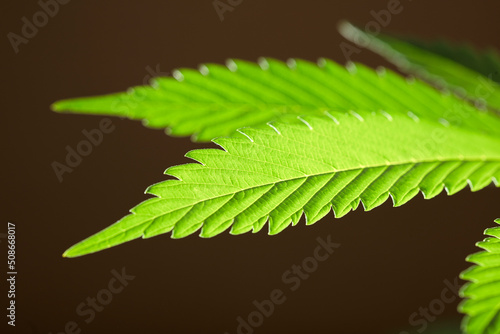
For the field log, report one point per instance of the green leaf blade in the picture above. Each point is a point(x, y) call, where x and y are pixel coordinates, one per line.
point(217, 100)
point(459, 68)
point(270, 173)
point(482, 306)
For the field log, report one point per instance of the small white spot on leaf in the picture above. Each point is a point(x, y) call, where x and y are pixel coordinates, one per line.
point(178, 75)
point(305, 122)
point(358, 116)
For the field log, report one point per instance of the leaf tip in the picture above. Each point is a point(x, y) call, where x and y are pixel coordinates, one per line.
point(344, 27)
point(58, 106)
point(70, 252)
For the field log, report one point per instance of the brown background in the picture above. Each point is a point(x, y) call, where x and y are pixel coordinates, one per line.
point(391, 261)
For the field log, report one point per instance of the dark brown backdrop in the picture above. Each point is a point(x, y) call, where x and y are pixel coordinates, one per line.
point(390, 263)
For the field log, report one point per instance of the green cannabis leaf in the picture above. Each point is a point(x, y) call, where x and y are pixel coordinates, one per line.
point(277, 172)
point(460, 68)
point(217, 100)
point(303, 139)
point(482, 307)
